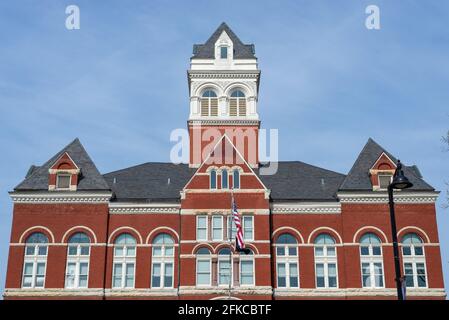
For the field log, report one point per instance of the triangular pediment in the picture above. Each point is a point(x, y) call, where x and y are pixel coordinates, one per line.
point(225, 156)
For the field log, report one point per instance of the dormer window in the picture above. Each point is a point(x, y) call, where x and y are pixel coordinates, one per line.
point(381, 173)
point(384, 180)
point(223, 52)
point(63, 181)
point(63, 174)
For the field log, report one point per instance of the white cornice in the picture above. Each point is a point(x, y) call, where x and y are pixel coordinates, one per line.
point(306, 208)
point(224, 122)
point(133, 208)
point(382, 197)
point(60, 197)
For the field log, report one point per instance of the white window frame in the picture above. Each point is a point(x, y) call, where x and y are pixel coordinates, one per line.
point(372, 259)
point(227, 179)
point(198, 217)
point(414, 259)
point(231, 231)
point(225, 259)
point(77, 259)
point(325, 260)
point(245, 258)
point(244, 217)
point(286, 260)
point(162, 260)
point(203, 258)
point(214, 218)
point(124, 261)
point(35, 259)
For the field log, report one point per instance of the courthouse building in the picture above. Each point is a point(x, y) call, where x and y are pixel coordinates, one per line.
point(162, 230)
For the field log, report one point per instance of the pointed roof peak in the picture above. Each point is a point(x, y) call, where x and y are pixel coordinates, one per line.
point(207, 50)
point(91, 179)
point(358, 177)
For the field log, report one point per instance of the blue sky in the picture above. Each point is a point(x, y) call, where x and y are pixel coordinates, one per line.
point(119, 83)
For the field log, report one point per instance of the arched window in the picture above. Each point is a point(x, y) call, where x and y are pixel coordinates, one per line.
point(236, 179)
point(203, 267)
point(78, 252)
point(224, 179)
point(237, 104)
point(224, 267)
point(325, 262)
point(162, 261)
point(209, 104)
point(414, 261)
point(371, 261)
point(287, 261)
point(35, 261)
point(213, 179)
point(124, 261)
point(247, 269)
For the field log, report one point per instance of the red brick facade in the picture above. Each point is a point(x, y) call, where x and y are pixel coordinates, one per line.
point(124, 216)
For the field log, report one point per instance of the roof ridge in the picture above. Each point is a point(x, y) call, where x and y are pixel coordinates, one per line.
point(143, 164)
point(308, 164)
point(370, 140)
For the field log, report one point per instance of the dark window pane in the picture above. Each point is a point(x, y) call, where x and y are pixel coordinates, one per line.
point(418, 251)
point(281, 282)
point(293, 281)
point(320, 282)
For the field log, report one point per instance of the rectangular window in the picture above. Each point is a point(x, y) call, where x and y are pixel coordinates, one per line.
point(217, 228)
point(156, 278)
point(293, 275)
point(332, 271)
point(421, 275)
point(40, 274)
point(83, 274)
point(384, 180)
point(63, 181)
point(246, 272)
point(129, 283)
point(117, 277)
point(366, 275)
point(232, 230)
point(282, 276)
point(320, 283)
point(201, 228)
point(378, 275)
point(224, 272)
point(408, 271)
point(168, 275)
point(27, 281)
point(203, 273)
point(223, 52)
point(248, 230)
point(70, 275)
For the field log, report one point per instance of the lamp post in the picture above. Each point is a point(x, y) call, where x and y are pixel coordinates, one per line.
point(399, 181)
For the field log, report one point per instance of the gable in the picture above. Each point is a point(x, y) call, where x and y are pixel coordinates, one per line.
point(224, 156)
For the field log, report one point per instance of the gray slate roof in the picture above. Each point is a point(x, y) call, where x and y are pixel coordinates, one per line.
point(90, 179)
point(296, 180)
point(150, 182)
point(206, 50)
point(358, 177)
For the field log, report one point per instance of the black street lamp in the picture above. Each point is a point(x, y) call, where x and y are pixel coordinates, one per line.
point(399, 181)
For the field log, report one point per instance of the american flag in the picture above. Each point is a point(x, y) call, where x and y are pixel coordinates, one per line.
point(240, 243)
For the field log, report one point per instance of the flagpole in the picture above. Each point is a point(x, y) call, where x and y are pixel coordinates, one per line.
point(231, 221)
